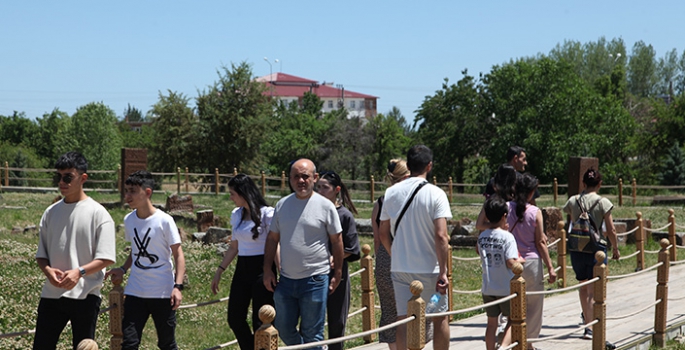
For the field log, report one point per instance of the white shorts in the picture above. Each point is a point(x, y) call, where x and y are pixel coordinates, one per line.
point(401, 282)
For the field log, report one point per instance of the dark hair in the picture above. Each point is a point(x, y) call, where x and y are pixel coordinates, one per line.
point(514, 151)
point(504, 182)
point(141, 178)
point(525, 184)
point(592, 177)
point(495, 208)
point(418, 158)
point(71, 160)
point(335, 180)
point(246, 188)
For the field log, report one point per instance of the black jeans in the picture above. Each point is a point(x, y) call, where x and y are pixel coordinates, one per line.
point(338, 307)
point(247, 285)
point(137, 311)
point(53, 315)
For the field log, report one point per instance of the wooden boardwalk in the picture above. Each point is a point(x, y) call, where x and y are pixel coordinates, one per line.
point(562, 313)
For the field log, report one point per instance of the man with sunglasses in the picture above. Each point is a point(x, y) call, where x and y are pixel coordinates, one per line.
point(76, 243)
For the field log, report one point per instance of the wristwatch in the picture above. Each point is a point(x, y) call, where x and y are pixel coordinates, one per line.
point(178, 286)
point(82, 271)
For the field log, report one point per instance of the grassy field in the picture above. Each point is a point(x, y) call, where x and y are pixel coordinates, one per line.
point(206, 327)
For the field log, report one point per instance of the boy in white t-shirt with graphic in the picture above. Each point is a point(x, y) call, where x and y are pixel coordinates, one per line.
point(155, 284)
point(498, 253)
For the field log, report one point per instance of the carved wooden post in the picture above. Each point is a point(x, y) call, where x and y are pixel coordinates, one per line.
point(640, 242)
point(187, 180)
point(634, 191)
point(116, 315)
point(266, 337)
point(561, 255)
point(216, 180)
point(449, 190)
point(435, 181)
point(119, 187)
point(600, 307)
point(263, 185)
point(373, 186)
point(556, 191)
point(450, 296)
point(368, 297)
point(178, 180)
point(661, 311)
point(416, 329)
point(235, 171)
point(7, 174)
point(671, 235)
point(518, 308)
point(283, 180)
point(620, 192)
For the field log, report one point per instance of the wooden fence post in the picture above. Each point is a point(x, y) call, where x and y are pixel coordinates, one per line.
point(373, 186)
point(449, 190)
point(263, 185)
point(119, 182)
point(556, 191)
point(435, 181)
point(187, 180)
point(178, 180)
point(634, 192)
point(266, 337)
point(600, 307)
point(368, 297)
point(116, 315)
point(450, 282)
point(561, 254)
point(7, 174)
point(671, 235)
point(640, 242)
point(235, 171)
point(282, 180)
point(620, 192)
point(216, 180)
point(517, 317)
point(661, 312)
point(416, 329)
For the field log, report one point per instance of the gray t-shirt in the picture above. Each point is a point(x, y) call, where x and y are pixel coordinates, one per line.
point(304, 226)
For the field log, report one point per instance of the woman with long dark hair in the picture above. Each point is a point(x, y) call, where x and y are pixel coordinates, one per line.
point(330, 185)
point(250, 221)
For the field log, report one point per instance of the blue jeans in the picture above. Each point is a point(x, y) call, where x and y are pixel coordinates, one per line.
point(306, 297)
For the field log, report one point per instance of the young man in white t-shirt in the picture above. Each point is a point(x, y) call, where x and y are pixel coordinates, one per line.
point(155, 284)
point(498, 253)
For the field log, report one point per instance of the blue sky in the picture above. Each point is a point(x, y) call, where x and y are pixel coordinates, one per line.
point(65, 54)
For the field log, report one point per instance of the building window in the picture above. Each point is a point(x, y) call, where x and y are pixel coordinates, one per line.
point(330, 103)
point(353, 104)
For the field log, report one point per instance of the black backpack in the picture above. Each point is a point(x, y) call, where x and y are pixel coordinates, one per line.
point(584, 236)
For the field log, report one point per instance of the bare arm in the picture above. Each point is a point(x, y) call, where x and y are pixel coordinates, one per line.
point(270, 250)
point(611, 234)
point(117, 274)
point(338, 253)
point(482, 223)
point(229, 255)
point(180, 264)
point(442, 248)
point(375, 227)
point(384, 231)
point(541, 245)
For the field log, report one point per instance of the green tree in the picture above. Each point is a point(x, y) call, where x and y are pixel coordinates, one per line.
point(174, 138)
point(642, 70)
point(391, 139)
point(347, 144)
point(92, 130)
point(452, 124)
point(673, 167)
point(133, 114)
point(667, 72)
point(51, 134)
point(17, 129)
point(235, 117)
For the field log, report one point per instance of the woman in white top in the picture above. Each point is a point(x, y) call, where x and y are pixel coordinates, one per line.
point(250, 221)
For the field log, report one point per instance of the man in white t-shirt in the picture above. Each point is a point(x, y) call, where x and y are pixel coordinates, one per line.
point(76, 243)
point(155, 284)
point(420, 249)
point(303, 223)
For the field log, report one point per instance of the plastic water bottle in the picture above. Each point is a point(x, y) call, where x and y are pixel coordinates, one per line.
point(432, 305)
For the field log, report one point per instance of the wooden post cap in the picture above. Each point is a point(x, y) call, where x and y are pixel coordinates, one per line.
point(267, 313)
point(639, 215)
point(517, 269)
point(366, 249)
point(416, 288)
point(664, 243)
point(560, 225)
point(670, 211)
point(600, 256)
point(87, 344)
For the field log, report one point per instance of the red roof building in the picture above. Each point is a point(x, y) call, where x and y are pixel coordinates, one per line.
point(289, 88)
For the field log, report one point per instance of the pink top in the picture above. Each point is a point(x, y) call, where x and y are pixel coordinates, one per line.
point(524, 231)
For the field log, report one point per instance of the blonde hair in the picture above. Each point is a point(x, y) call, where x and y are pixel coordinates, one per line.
point(397, 170)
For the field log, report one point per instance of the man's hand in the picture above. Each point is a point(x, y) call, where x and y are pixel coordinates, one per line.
point(215, 282)
point(176, 297)
point(442, 284)
point(116, 275)
point(552, 276)
point(270, 280)
point(70, 279)
point(616, 254)
point(333, 284)
point(54, 276)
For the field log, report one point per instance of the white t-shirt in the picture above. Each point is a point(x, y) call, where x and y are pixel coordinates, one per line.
point(496, 246)
point(152, 271)
point(72, 235)
point(304, 226)
point(413, 249)
point(242, 231)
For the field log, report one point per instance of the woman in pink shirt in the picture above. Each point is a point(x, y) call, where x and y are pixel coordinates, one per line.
point(525, 223)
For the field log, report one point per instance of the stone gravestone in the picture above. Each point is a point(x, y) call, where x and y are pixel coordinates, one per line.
point(577, 166)
point(550, 218)
point(132, 160)
point(176, 203)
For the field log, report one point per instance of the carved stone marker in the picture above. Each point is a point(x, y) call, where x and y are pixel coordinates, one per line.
point(205, 219)
point(132, 160)
point(176, 203)
point(577, 166)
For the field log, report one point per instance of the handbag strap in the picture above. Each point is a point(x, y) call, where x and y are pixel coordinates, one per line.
point(406, 205)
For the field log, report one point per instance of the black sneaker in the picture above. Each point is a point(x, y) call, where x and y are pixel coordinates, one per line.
point(588, 333)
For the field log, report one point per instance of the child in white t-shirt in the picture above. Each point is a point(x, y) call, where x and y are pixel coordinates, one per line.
point(498, 253)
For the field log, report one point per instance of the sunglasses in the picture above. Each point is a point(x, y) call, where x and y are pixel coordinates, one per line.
point(66, 178)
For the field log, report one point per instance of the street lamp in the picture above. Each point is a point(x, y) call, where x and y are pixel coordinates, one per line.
point(271, 87)
point(618, 55)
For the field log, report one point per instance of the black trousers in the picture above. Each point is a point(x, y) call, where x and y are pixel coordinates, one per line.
point(53, 315)
point(338, 307)
point(247, 286)
point(137, 311)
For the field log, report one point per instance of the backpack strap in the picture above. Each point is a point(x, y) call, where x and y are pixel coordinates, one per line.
point(406, 205)
point(590, 210)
